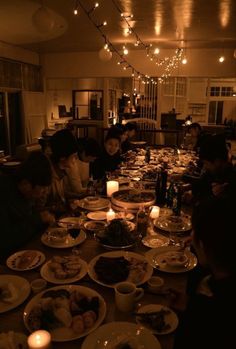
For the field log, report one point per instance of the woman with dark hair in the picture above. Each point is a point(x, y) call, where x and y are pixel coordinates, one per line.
point(206, 322)
point(110, 158)
point(19, 219)
point(131, 129)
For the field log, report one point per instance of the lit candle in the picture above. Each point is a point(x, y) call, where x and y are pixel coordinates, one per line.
point(112, 186)
point(39, 340)
point(110, 215)
point(155, 212)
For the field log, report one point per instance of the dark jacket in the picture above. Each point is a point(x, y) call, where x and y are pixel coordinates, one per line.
point(19, 222)
point(105, 163)
point(207, 321)
point(202, 189)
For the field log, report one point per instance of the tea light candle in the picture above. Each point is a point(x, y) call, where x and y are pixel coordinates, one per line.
point(39, 340)
point(112, 186)
point(110, 215)
point(155, 212)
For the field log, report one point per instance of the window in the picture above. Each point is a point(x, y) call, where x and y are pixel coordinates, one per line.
point(227, 91)
point(215, 91)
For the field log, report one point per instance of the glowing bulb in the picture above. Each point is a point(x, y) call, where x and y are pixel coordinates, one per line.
point(104, 23)
point(184, 60)
point(75, 11)
point(221, 59)
point(156, 51)
point(125, 51)
point(96, 4)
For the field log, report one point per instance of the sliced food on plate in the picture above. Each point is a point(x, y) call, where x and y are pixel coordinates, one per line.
point(110, 268)
point(67, 312)
point(64, 269)
point(25, 260)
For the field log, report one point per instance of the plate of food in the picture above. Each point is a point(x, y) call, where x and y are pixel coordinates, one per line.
point(118, 234)
point(13, 291)
point(67, 221)
point(13, 340)
point(64, 269)
point(97, 215)
point(68, 312)
point(25, 260)
point(93, 203)
point(121, 335)
point(60, 238)
point(157, 318)
point(109, 268)
point(171, 259)
point(177, 224)
point(154, 240)
point(95, 226)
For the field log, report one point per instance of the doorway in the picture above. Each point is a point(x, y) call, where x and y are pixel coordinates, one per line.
point(215, 115)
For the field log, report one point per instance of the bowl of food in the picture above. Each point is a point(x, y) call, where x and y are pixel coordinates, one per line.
point(57, 235)
point(95, 225)
point(118, 234)
point(91, 200)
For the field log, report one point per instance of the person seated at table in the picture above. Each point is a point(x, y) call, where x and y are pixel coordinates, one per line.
point(206, 318)
point(64, 149)
point(110, 158)
point(196, 136)
point(20, 221)
point(131, 129)
point(219, 176)
point(78, 175)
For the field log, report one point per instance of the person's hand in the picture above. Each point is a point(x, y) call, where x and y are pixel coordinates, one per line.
point(47, 217)
point(218, 189)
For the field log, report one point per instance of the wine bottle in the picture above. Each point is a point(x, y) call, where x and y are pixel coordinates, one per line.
point(142, 221)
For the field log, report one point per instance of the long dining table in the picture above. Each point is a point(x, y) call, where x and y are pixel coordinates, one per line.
point(13, 319)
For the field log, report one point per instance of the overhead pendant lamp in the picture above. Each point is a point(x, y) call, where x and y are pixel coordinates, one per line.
point(105, 55)
point(42, 20)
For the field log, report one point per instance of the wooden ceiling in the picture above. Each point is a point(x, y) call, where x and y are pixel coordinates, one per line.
point(166, 23)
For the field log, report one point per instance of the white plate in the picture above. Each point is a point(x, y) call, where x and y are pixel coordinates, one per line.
point(12, 163)
point(156, 257)
point(97, 216)
point(125, 254)
point(64, 222)
point(165, 223)
point(171, 319)
point(102, 215)
point(108, 336)
point(64, 334)
point(49, 276)
point(100, 205)
point(21, 285)
point(13, 259)
point(69, 242)
point(153, 241)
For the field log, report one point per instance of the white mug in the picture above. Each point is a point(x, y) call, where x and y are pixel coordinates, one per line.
point(126, 294)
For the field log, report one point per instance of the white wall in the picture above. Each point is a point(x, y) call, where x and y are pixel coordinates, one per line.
point(201, 62)
point(18, 54)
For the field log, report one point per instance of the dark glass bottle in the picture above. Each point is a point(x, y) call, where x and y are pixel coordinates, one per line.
point(161, 186)
point(177, 202)
point(147, 155)
point(158, 188)
point(170, 195)
point(90, 187)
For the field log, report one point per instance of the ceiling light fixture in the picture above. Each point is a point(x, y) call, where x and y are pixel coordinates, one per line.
point(221, 59)
point(43, 20)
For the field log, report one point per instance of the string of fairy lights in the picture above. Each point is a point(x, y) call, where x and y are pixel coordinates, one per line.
point(169, 63)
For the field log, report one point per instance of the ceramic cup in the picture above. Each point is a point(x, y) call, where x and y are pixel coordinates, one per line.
point(155, 284)
point(38, 285)
point(126, 295)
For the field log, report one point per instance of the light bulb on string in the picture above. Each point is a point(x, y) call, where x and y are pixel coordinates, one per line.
point(184, 60)
point(221, 59)
point(125, 50)
point(156, 51)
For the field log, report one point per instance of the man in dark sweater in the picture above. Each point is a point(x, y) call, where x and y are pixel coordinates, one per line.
point(19, 220)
